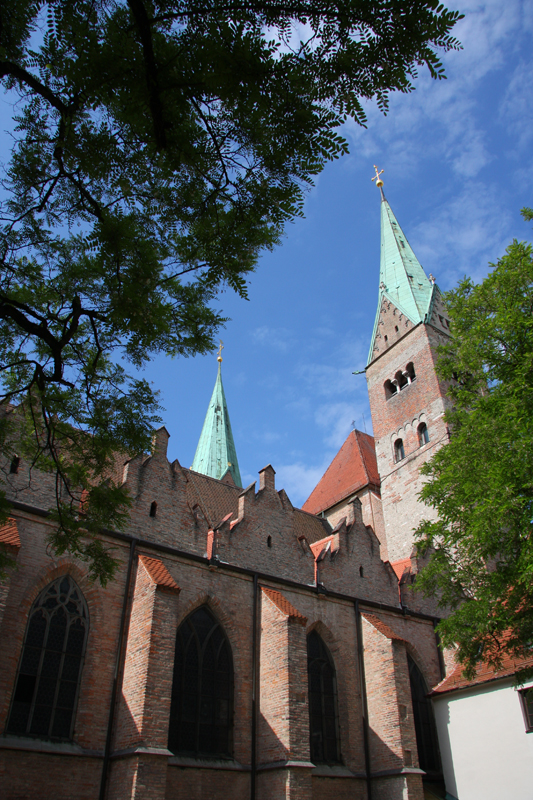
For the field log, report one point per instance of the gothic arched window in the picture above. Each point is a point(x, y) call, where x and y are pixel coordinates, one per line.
point(48, 679)
point(201, 711)
point(323, 725)
point(399, 452)
point(426, 736)
point(423, 434)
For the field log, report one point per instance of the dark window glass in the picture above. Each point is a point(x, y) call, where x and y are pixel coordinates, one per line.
point(14, 467)
point(399, 452)
point(426, 736)
point(48, 679)
point(201, 711)
point(526, 696)
point(423, 434)
point(153, 509)
point(323, 727)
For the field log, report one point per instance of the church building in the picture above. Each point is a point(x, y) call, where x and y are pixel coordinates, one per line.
point(246, 649)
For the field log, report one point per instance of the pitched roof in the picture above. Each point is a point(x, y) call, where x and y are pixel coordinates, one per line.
point(216, 453)
point(9, 534)
point(401, 566)
point(283, 605)
point(353, 467)
point(159, 573)
point(402, 279)
point(382, 627)
point(484, 674)
point(216, 498)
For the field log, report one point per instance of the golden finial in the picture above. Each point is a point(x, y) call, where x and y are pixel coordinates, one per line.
point(219, 354)
point(379, 182)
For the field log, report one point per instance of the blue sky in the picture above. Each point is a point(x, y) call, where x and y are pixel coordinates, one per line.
point(458, 161)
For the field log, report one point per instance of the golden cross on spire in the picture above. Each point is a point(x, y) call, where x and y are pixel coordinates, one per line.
point(379, 182)
point(220, 349)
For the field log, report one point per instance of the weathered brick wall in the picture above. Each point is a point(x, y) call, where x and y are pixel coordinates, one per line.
point(205, 784)
point(392, 732)
point(372, 515)
point(398, 417)
point(143, 705)
point(27, 776)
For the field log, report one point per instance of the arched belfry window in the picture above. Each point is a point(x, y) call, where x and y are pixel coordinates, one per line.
point(399, 450)
point(426, 735)
point(201, 711)
point(423, 434)
point(48, 679)
point(323, 717)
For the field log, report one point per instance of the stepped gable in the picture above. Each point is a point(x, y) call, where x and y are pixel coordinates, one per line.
point(353, 467)
point(215, 497)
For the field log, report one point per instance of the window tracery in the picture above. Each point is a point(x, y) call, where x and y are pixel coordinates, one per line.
point(49, 673)
point(201, 713)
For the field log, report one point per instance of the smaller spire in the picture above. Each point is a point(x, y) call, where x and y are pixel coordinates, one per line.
point(216, 454)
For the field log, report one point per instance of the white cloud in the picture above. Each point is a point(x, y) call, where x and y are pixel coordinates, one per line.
point(278, 338)
point(469, 230)
point(299, 480)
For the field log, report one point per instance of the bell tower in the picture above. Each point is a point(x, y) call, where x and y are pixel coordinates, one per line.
point(407, 400)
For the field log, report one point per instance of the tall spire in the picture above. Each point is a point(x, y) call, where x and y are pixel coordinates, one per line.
point(216, 454)
point(402, 279)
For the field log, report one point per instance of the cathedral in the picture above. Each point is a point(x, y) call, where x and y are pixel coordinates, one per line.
point(246, 649)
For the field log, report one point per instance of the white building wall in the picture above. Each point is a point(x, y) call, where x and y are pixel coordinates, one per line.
point(485, 750)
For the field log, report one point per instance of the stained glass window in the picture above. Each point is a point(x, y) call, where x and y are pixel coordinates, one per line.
point(201, 713)
point(46, 689)
point(323, 727)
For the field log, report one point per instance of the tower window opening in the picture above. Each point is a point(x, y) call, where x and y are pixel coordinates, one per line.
point(396, 328)
point(14, 467)
point(390, 389)
point(402, 379)
point(399, 452)
point(410, 370)
point(386, 339)
point(269, 541)
point(361, 572)
point(153, 509)
point(423, 434)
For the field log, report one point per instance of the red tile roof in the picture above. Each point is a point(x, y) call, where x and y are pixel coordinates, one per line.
point(9, 534)
point(284, 606)
point(401, 566)
point(159, 573)
point(216, 498)
point(382, 627)
point(484, 673)
point(353, 467)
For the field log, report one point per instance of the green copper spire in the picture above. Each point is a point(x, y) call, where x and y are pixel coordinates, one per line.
point(401, 278)
point(216, 453)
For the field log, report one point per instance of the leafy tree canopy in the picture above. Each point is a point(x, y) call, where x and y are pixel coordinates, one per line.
point(481, 484)
point(159, 148)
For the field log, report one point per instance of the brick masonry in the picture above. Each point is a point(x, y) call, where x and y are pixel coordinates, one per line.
point(216, 536)
point(398, 417)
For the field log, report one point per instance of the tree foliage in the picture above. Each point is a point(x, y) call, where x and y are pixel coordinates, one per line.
point(481, 484)
point(159, 148)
